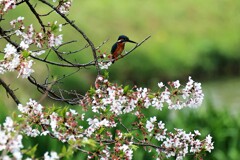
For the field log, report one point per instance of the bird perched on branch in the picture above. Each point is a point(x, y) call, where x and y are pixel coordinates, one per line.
point(118, 47)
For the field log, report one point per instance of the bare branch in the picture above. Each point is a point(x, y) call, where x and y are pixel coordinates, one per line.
point(44, 88)
point(46, 13)
point(61, 57)
point(9, 91)
point(98, 47)
point(64, 65)
point(72, 52)
point(65, 43)
point(139, 44)
point(36, 15)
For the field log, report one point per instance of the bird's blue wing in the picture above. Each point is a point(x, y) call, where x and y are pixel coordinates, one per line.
point(114, 47)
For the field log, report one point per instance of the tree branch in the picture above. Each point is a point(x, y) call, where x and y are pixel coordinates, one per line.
point(6, 37)
point(9, 91)
point(36, 15)
point(139, 44)
point(64, 65)
point(78, 30)
point(127, 53)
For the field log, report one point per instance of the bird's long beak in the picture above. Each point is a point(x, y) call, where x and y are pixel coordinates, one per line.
point(131, 41)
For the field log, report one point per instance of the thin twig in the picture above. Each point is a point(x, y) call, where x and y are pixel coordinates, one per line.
point(139, 44)
point(46, 13)
point(98, 47)
point(72, 52)
point(63, 65)
point(65, 43)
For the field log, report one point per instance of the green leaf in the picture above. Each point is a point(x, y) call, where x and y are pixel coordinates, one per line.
point(14, 116)
point(92, 91)
point(101, 130)
point(134, 147)
point(151, 96)
point(25, 54)
point(31, 152)
point(127, 134)
point(90, 142)
point(52, 109)
point(64, 149)
point(54, 27)
point(66, 152)
point(126, 89)
point(106, 74)
point(107, 109)
point(63, 111)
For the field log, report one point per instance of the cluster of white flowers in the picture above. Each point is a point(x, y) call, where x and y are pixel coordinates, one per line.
point(32, 108)
point(121, 102)
point(64, 6)
point(6, 5)
point(25, 69)
point(66, 128)
point(104, 65)
point(20, 60)
point(182, 141)
point(33, 112)
point(54, 40)
point(105, 153)
point(160, 130)
point(95, 124)
point(10, 141)
point(127, 151)
point(14, 61)
point(30, 36)
point(19, 22)
point(192, 93)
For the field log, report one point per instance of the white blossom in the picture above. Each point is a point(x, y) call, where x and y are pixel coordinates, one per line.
point(104, 65)
point(9, 50)
point(160, 85)
point(176, 84)
point(149, 126)
point(127, 151)
point(52, 156)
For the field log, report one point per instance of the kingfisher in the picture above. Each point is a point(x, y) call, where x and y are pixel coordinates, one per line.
point(118, 47)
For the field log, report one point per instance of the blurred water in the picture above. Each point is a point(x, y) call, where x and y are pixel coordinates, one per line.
point(223, 93)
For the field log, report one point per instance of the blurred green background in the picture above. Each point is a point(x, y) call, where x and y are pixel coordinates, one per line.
point(198, 38)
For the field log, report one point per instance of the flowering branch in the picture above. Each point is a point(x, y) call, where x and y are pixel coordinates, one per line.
point(114, 122)
point(108, 105)
point(138, 44)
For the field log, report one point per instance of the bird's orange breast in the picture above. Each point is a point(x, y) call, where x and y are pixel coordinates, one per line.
point(119, 50)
